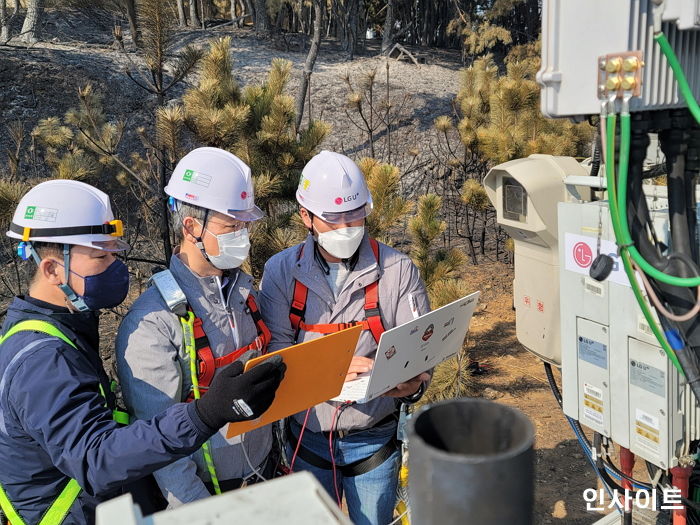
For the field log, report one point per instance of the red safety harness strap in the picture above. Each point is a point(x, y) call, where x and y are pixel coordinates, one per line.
point(332, 328)
point(372, 321)
point(207, 363)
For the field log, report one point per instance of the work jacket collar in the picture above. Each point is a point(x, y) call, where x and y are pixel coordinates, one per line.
point(309, 272)
point(195, 286)
point(82, 328)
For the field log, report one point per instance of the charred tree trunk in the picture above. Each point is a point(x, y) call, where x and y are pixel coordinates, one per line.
point(262, 22)
point(30, 27)
point(310, 61)
point(203, 14)
point(130, 8)
point(250, 5)
point(238, 18)
point(483, 233)
point(4, 23)
point(387, 39)
point(353, 20)
point(194, 17)
point(182, 19)
point(347, 19)
point(207, 10)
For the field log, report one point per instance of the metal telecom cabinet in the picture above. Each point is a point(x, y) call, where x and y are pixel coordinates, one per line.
point(568, 71)
point(616, 380)
point(585, 321)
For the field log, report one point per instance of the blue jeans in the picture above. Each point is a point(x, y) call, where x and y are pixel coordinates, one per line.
point(371, 497)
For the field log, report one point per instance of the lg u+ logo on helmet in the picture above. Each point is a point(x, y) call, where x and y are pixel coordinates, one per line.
point(349, 198)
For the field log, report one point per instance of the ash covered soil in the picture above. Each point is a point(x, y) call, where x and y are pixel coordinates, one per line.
point(42, 81)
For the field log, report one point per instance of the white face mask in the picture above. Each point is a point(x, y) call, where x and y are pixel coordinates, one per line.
point(233, 249)
point(343, 242)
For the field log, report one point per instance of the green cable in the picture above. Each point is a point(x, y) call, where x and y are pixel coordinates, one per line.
point(624, 237)
point(615, 216)
point(683, 86)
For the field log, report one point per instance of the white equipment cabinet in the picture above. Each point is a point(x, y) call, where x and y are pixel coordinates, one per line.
point(575, 33)
point(297, 499)
point(616, 379)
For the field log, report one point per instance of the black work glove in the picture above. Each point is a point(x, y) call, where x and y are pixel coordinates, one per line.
point(234, 396)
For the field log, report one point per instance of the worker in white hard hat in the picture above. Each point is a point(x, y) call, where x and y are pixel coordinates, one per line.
point(338, 277)
point(63, 446)
point(203, 312)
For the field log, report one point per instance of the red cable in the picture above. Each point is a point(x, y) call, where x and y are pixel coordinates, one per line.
point(301, 435)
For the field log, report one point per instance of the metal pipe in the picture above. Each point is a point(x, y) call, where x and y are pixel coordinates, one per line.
point(471, 461)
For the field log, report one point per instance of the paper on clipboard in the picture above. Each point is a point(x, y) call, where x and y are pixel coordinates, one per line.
point(315, 373)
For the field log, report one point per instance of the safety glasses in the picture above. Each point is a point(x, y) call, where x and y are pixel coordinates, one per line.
point(346, 217)
point(249, 215)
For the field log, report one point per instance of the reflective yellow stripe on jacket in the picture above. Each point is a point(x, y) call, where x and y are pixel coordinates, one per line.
point(58, 510)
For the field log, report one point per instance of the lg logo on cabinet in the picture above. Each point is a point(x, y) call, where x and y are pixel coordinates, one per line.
point(583, 255)
point(580, 251)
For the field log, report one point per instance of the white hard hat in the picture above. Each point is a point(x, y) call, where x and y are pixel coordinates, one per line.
point(67, 212)
point(217, 180)
point(333, 188)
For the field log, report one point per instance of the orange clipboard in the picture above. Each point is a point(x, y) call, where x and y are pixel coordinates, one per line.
point(315, 373)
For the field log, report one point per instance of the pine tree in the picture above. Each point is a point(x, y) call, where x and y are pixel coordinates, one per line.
point(257, 123)
point(155, 18)
point(499, 120)
point(494, 26)
point(500, 113)
point(56, 151)
point(441, 270)
point(390, 208)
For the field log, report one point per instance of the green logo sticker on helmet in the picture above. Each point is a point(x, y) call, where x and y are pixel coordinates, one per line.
point(36, 213)
point(195, 177)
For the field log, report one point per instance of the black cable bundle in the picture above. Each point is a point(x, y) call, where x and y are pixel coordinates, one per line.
point(679, 258)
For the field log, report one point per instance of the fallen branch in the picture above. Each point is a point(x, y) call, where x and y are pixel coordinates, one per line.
point(402, 51)
point(234, 21)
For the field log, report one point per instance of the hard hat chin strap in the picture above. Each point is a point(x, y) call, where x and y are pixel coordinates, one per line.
point(200, 242)
point(311, 228)
point(70, 294)
point(26, 249)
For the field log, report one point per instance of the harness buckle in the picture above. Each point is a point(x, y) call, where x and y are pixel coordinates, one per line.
point(372, 312)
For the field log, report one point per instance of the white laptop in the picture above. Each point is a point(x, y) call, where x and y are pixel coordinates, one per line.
point(412, 348)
